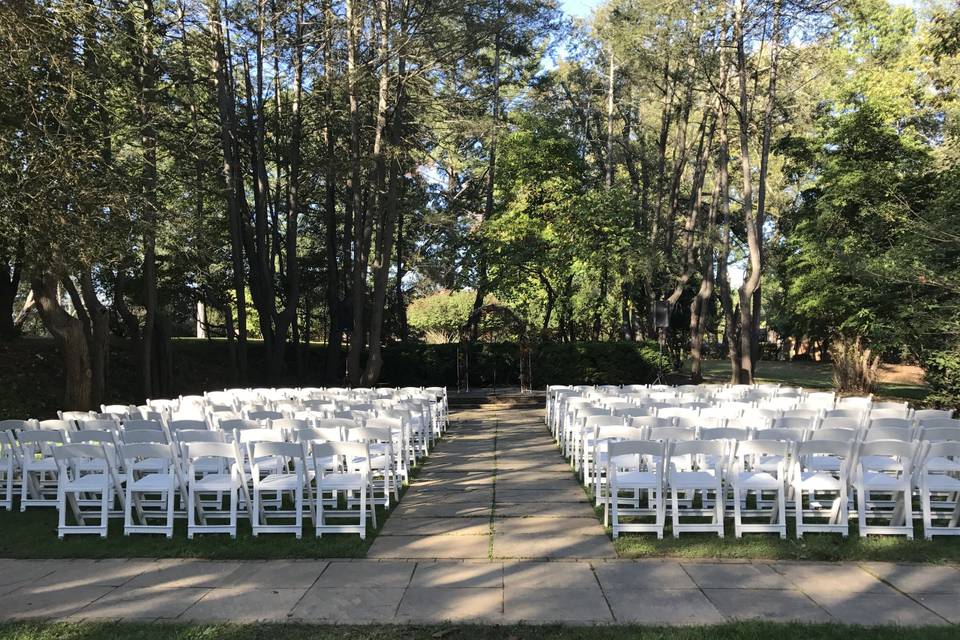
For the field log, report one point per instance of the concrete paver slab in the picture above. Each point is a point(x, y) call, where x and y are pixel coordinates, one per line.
point(276, 574)
point(49, 602)
point(245, 605)
point(663, 607)
point(458, 575)
point(349, 605)
point(875, 609)
point(710, 575)
point(186, 573)
point(642, 574)
point(574, 605)
point(766, 604)
point(469, 547)
point(142, 603)
point(427, 605)
point(917, 578)
point(363, 573)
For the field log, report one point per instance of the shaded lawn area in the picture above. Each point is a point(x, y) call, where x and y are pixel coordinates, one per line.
point(33, 535)
point(738, 631)
point(813, 375)
point(813, 546)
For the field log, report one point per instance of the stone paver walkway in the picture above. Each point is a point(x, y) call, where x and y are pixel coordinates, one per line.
point(496, 487)
point(577, 592)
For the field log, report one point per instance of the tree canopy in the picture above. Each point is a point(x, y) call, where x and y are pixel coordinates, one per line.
point(362, 173)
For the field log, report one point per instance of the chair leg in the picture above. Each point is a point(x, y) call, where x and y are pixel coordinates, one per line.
point(737, 532)
point(191, 516)
point(675, 509)
point(782, 512)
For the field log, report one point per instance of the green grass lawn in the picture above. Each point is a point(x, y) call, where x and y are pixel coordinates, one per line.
point(812, 375)
point(33, 534)
point(732, 631)
point(813, 546)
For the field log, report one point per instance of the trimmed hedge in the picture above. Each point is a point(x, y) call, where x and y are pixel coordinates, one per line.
point(31, 369)
point(498, 364)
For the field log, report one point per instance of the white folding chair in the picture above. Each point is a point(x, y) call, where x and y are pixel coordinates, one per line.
point(212, 471)
point(287, 475)
point(751, 472)
point(939, 488)
point(885, 467)
point(820, 474)
point(350, 476)
point(78, 476)
point(584, 445)
point(700, 468)
point(151, 488)
point(38, 467)
point(602, 437)
point(9, 469)
point(635, 467)
point(382, 464)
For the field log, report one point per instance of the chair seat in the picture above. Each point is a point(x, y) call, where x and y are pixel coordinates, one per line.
point(151, 465)
point(757, 480)
point(152, 482)
point(941, 482)
point(693, 480)
point(769, 463)
point(93, 482)
point(880, 463)
point(823, 463)
point(44, 464)
point(882, 482)
point(638, 479)
point(341, 481)
point(279, 482)
point(214, 482)
point(943, 464)
point(819, 481)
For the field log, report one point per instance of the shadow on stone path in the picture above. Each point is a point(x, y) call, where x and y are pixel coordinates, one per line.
point(495, 488)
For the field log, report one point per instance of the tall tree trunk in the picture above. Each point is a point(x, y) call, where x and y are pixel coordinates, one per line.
point(388, 205)
point(723, 278)
point(403, 327)
point(98, 338)
point(69, 334)
point(232, 178)
point(147, 72)
point(482, 276)
point(764, 169)
point(610, 86)
point(748, 337)
point(700, 307)
point(358, 287)
point(287, 318)
point(694, 204)
point(333, 366)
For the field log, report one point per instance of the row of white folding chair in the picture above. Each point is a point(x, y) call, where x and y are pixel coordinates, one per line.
point(39, 444)
point(818, 400)
point(885, 467)
point(86, 469)
point(247, 439)
point(590, 465)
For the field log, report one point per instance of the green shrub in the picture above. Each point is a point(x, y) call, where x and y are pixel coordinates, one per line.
point(942, 369)
point(499, 364)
